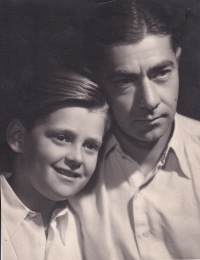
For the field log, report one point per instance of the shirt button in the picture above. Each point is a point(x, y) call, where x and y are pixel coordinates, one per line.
point(146, 234)
point(159, 167)
point(123, 156)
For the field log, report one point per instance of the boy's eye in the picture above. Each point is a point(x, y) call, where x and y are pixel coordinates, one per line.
point(62, 138)
point(91, 146)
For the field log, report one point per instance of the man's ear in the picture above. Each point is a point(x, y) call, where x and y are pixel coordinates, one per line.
point(15, 135)
point(178, 54)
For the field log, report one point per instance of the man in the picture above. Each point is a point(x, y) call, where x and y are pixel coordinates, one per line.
point(145, 200)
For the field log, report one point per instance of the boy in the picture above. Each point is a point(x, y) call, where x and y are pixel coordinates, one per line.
point(56, 134)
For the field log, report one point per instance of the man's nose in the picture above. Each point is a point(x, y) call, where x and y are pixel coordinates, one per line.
point(74, 157)
point(148, 95)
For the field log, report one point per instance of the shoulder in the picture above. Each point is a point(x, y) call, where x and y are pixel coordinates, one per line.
point(189, 126)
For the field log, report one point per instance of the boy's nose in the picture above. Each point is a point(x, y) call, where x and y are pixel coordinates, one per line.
point(74, 158)
point(149, 97)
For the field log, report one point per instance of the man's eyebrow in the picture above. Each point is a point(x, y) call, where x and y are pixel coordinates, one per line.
point(122, 73)
point(160, 66)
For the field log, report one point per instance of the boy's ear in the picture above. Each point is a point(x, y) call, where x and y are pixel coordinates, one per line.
point(15, 135)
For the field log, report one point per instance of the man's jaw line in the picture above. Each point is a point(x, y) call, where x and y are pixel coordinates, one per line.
point(138, 143)
point(146, 145)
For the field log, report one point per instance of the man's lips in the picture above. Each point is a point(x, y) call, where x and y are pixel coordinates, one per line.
point(67, 173)
point(148, 119)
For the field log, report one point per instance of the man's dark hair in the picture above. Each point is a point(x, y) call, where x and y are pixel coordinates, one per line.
point(125, 21)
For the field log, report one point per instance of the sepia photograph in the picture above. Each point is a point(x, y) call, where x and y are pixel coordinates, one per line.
point(100, 129)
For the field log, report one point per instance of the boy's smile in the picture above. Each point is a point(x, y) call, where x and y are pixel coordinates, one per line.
point(68, 173)
point(59, 155)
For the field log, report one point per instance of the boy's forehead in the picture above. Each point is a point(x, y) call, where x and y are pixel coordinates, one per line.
point(72, 119)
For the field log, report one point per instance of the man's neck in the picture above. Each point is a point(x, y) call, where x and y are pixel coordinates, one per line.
point(146, 154)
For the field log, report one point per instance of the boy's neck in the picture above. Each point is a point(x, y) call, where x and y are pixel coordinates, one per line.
point(31, 198)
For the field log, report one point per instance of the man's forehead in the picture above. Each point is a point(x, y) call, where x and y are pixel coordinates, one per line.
point(149, 42)
point(150, 52)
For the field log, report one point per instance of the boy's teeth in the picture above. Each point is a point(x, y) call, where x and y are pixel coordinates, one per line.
point(74, 175)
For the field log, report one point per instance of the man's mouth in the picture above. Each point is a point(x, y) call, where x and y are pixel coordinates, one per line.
point(152, 119)
point(67, 173)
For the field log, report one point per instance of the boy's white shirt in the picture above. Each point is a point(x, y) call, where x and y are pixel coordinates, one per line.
point(23, 233)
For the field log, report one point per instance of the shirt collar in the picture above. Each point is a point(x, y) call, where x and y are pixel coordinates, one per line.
point(60, 215)
point(14, 211)
point(110, 143)
point(177, 143)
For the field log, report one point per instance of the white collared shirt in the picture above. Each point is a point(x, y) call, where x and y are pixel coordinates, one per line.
point(23, 233)
point(156, 219)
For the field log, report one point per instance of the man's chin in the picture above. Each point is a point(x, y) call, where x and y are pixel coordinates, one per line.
point(144, 141)
point(140, 137)
point(149, 139)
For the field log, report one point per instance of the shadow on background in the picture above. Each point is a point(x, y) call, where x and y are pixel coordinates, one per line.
point(40, 34)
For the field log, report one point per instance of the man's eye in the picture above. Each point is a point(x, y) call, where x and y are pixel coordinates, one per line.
point(123, 81)
point(163, 74)
point(126, 81)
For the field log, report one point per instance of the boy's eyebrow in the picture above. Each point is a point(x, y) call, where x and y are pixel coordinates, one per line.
point(57, 130)
point(54, 131)
point(160, 66)
point(95, 140)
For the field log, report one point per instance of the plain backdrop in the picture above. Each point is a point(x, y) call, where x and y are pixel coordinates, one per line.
point(38, 33)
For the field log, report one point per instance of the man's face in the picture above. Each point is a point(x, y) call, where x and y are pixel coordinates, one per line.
point(141, 83)
point(60, 153)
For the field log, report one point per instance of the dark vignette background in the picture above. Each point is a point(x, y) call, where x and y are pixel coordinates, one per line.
point(46, 33)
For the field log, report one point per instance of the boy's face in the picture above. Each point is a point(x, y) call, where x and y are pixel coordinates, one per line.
point(60, 153)
point(141, 82)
